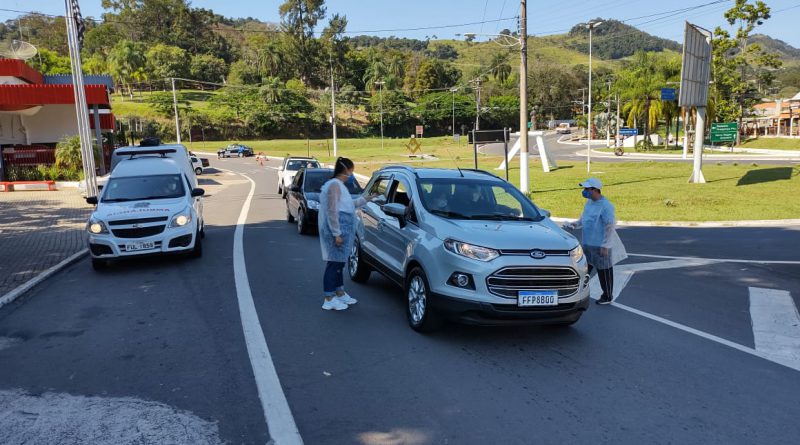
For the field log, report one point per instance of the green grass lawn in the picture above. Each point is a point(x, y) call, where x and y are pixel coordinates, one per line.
point(641, 191)
point(773, 143)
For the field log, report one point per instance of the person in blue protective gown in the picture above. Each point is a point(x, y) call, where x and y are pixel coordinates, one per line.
point(599, 239)
point(337, 233)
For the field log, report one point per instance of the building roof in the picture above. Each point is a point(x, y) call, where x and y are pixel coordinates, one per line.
point(20, 97)
point(88, 79)
point(763, 105)
point(21, 70)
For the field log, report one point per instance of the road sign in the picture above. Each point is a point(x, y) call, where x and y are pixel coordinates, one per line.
point(419, 130)
point(724, 131)
point(624, 131)
point(668, 94)
point(696, 66)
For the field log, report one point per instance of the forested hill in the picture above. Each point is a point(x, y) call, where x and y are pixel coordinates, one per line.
point(787, 52)
point(616, 40)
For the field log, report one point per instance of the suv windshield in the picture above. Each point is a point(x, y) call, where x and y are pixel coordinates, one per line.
point(315, 181)
point(297, 165)
point(479, 200)
point(138, 188)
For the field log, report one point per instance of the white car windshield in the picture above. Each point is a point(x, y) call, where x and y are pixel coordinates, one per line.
point(139, 188)
point(478, 200)
point(297, 165)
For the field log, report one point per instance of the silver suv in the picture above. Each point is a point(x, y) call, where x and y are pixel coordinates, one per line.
point(467, 245)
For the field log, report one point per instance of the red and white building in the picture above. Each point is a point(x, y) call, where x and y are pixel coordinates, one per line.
point(37, 111)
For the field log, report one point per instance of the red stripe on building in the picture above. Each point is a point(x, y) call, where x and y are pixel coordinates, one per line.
point(18, 68)
point(12, 97)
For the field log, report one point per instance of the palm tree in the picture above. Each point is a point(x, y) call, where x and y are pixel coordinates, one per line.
point(501, 70)
point(376, 70)
point(640, 86)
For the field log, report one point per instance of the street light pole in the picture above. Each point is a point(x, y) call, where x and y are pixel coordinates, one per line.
point(380, 85)
point(591, 26)
point(333, 110)
point(175, 108)
point(523, 96)
point(453, 90)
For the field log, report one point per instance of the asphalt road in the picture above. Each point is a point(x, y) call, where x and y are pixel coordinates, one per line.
point(577, 152)
point(163, 339)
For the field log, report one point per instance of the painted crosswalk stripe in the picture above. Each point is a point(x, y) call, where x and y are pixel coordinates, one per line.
point(776, 324)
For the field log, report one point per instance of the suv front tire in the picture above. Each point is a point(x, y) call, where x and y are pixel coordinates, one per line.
point(421, 317)
point(356, 266)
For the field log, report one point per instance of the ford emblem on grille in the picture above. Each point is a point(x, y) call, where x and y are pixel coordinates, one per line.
point(538, 254)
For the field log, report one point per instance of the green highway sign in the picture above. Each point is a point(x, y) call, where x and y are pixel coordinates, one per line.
point(724, 131)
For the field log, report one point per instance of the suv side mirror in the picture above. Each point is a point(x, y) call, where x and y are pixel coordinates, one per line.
point(198, 192)
point(544, 212)
point(294, 188)
point(91, 200)
point(396, 210)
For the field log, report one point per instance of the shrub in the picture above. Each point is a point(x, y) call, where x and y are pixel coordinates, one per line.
point(68, 153)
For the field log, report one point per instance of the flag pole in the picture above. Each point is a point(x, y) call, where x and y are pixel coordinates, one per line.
point(81, 108)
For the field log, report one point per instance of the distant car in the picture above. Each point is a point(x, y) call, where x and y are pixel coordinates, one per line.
point(302, 199)
point(291, 165)
point(563, 128)
point(197, 163)
point(235, 150)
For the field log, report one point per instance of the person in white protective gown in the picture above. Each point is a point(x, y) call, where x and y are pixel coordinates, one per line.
point(599, 238)
point(337, 233)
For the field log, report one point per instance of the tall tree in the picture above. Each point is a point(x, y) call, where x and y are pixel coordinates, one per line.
point(298, 19)
point(127, 63)
point(640, 86)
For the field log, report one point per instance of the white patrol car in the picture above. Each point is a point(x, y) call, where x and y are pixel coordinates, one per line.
point(149, 206)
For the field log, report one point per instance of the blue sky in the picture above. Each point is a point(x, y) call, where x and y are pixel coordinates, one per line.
point(544, 16)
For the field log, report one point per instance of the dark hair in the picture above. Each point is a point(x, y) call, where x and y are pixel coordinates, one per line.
point(342, 164)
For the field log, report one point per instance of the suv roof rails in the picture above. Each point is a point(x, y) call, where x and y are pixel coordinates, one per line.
point(155, 151)
point(408, 168)
point(477, 170)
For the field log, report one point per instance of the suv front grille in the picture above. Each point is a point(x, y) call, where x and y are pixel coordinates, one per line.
point(527, 252)
point(140, 232)
point(509, 281)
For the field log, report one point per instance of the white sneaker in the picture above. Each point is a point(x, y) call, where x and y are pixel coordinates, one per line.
point(334, 304)
point(347, 299)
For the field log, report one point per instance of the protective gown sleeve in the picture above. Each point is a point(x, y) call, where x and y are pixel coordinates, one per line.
point(609, 221)
point(332, 210)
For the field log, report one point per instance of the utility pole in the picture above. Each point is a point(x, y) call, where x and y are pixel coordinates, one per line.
point(478, 104)
point(175, 109)
point(453, 91)
point(591, 25)
point(616, 133)
point(380, 85)
point(608, 114)
point(333, 109)
point(523, 96)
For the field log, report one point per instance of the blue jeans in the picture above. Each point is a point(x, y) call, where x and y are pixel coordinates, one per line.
point(333, 280)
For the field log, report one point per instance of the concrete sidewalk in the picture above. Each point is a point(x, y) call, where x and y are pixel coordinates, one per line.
point(37, 231)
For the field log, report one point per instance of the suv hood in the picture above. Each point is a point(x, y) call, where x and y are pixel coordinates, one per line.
point(507, 235)
point(139, 209)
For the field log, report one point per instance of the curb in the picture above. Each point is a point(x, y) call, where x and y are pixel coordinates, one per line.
point(28, 285)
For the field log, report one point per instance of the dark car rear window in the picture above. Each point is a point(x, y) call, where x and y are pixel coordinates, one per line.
point(316, 179)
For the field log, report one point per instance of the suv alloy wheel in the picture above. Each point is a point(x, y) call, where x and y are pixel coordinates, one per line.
point(421, 316)
point(359, 270)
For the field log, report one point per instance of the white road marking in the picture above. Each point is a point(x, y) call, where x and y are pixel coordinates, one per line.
point(788, 363)
point(66, 418)
point(718, 260)
point(281, 424)
point(776, 323)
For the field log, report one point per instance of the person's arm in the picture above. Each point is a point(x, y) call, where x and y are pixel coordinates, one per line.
point(577, 224)
point(360, 201)
point(609, 220)
point(332, 210)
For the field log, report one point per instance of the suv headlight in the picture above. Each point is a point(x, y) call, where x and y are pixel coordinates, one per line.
point(471, 251)
point(181, 219)
point(576, 253)
point(313, 205)
point(96, 226)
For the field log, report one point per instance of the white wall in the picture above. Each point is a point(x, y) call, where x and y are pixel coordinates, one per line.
point(11, 129)
point(11, 80)
point(51, 124)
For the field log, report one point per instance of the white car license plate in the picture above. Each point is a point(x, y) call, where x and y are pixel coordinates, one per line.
point(140, 246)
point(537, 298)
